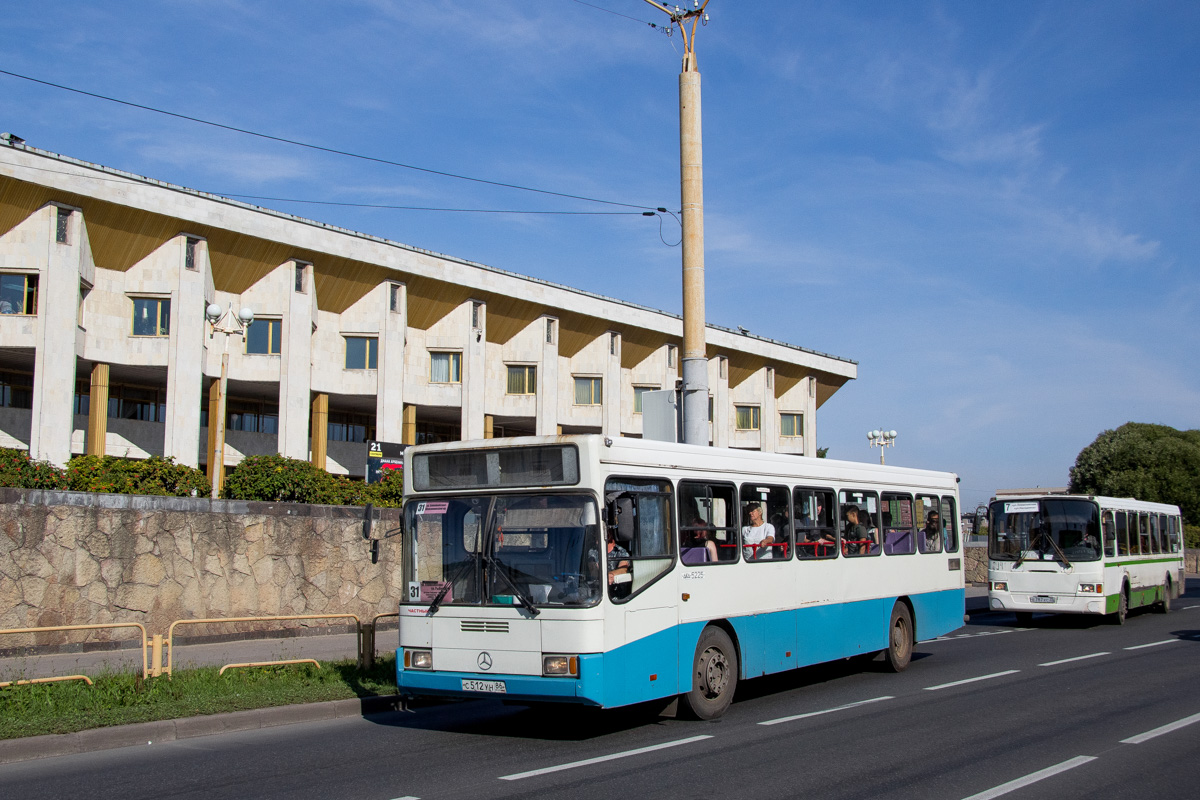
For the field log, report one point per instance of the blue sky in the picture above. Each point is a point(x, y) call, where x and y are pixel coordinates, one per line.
point(992, 207)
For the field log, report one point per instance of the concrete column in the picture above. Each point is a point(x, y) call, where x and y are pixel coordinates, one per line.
point(810, 418)
point(408, 434)
point(389, 400)
point(489, 426)
point(97, 432)
point(295, 368)
point(52, 420)
point(548, 390)
point(612, 387)
point(320, 430)
point(769, 425)
point(722, 423)
point(186, 350)
point(474, 379)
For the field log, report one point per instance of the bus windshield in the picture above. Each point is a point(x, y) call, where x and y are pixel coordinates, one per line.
point(531, 550)
point(1020, 530)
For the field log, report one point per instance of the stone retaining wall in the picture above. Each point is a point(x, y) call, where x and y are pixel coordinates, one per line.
point(71, 558)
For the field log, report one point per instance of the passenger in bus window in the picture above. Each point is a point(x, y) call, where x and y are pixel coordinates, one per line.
point(933, 532)
point(757, 535)
point(619, 566)
point(694, 537)
point(856, 540)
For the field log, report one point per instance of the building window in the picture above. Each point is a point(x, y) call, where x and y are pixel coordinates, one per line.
point(62, 225)
point(791, 424)
point(395, 298)
point(445, 367)
point(143, 403)
point(638, 391)
point(252, 416)
point(301, 277)
point(612, 344)
point(747, 418)
point(151, 316)
point(18, 294)
point(710, 408)
point(349, 427)
point(476, 314)
point(16, 390)
point(189, 252)
point(589, 392)
point(770, 377)
point(264, 337)
point(362, 352)
point(549, 331)
point(671, 356)
point(522, 380)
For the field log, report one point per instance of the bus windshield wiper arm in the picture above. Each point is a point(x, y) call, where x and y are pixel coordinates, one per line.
point(441, 595)
point(526, 600)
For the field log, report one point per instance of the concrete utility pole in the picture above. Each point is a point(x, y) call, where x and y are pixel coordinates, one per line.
point(691, 179)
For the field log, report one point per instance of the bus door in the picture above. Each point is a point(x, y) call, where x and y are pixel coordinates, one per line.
point(641, 619)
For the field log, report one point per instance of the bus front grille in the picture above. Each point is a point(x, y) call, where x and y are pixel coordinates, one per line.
point(484, 626)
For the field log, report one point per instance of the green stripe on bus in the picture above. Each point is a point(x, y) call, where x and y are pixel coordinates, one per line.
point(1143, 561)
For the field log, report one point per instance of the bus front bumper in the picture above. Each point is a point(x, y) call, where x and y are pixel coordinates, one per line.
point(1050, 603)
point(586, 689)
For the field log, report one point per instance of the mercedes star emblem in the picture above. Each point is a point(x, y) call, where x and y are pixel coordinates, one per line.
point(484, 660)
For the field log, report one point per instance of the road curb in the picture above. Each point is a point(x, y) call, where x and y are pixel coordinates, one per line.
point(170, 730)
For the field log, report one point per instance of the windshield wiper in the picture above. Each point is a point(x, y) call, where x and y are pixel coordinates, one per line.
point(1058, 550)
point(1032, 547)
point(441, 595)
point(526, 600)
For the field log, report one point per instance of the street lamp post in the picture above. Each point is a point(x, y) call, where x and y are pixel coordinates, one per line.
point(691, 178)
point(881, 439)
point(227, 323)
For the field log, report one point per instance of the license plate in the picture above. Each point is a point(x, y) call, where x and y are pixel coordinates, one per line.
point(495, 687)
point(1041, 598)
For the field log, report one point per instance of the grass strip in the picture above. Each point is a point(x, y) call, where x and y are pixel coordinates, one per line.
point(120, 698)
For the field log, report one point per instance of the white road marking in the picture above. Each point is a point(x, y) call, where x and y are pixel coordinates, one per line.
point(407, 797)
point(1174, 726)
point(973, 635)
point(1032, 777)
point(826, 711)
point(1152, 644)
point(599, 759)
point(1188, 608)
point(971, 680)
point(1076, 658)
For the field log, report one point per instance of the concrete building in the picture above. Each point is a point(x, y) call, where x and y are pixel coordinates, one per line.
point(105, 346)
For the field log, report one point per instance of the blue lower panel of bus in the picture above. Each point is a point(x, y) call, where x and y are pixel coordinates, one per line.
point(660, 665)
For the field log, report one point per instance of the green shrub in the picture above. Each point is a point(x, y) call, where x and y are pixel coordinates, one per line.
point(276, 478)
point(17, 469)
point(1191, 535)
point(388, 491)
point(153, 476)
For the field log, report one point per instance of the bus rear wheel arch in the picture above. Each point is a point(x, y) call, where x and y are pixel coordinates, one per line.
point(714, 675)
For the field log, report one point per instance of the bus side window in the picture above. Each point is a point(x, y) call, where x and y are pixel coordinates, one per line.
point(899, 526)
point(1122, 535)
point(860, 522)
point(708, 526)
point(929, 540)
point(773, 503)
point(1110, 533)
point(1173, 533)
point(1164, 544)
point(1144, 527)
point(950, 525)
point(816, 526)
point(650, 542)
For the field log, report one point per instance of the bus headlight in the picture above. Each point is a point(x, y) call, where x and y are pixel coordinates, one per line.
point(418, 659)
point(1000, 586)
point(1090, 588)
point(560, 666)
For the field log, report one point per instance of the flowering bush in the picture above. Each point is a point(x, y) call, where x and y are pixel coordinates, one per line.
point(276, 478)
point(17, 469)
point(154, 476)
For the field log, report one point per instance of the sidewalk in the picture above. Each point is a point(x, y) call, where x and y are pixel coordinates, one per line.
point(331, 647)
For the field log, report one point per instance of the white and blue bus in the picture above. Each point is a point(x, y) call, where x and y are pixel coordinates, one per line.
point(1083, 554)
point(607, 572)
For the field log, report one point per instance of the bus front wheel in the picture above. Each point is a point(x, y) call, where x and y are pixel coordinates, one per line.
point(1118, 616)
point(900, 639)
point(1164, 606)
point(714, 676)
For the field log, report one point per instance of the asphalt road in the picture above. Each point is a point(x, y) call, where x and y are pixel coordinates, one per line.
point(1071, 708)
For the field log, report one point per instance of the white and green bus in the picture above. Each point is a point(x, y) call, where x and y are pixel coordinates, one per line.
point(1077, 554)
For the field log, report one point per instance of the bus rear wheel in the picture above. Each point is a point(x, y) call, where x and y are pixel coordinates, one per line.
point(1163, 606)
point(900, 639)
point(714, 676)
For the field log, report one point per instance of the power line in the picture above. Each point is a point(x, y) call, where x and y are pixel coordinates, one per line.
point(318, 147)
point(619, 14)
point(428, 208)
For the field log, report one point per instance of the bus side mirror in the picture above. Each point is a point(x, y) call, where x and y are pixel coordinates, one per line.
point(624, 509)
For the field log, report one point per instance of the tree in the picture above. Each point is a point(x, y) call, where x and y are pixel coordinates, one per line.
point(1156, 463)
